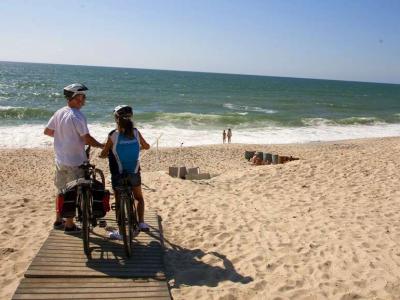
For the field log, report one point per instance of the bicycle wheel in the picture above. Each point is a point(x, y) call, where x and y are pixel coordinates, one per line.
point(85, 202)
point(126, 218)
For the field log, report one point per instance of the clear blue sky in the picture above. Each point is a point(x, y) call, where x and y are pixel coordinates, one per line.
point(338, 39)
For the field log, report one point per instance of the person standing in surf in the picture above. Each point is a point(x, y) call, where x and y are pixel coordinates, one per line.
point(229, 135)
point(223, 137)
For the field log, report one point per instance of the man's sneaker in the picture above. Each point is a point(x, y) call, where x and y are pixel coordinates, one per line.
point(144, 227)
point(58, 224)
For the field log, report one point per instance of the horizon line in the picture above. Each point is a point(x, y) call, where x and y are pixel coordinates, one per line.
point(191, 71)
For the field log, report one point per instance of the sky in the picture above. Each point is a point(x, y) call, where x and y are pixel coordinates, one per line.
point(332, 39)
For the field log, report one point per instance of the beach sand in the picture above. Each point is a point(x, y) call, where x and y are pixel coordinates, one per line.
point(326, 226)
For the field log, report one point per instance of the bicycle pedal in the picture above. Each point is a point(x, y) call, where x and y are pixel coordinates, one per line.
point(102, 223)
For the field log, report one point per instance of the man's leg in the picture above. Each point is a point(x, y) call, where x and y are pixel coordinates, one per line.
point(73, 173)
point(59, 179)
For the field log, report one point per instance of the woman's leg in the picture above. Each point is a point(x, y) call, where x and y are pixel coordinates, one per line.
point(137, 193)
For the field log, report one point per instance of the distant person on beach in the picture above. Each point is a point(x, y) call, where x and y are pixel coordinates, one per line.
point(68, 127)
point(123, 149)
point(229, 135)
point(224, 136)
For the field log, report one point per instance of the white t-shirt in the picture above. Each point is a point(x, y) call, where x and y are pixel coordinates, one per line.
point(69, 126)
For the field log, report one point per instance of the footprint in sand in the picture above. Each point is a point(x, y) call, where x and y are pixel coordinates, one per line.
point(6, 251)
point(350, 296)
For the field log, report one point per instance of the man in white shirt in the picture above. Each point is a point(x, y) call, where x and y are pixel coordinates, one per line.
point(69, 128)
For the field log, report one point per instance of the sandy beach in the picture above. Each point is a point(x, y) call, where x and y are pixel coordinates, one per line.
point(326, 226)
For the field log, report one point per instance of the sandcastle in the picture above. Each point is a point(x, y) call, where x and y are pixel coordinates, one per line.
point(188, 173)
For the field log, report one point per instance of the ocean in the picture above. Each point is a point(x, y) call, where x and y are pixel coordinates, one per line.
point(193, 108)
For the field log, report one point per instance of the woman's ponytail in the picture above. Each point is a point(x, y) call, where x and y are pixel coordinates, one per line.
point(126, 125)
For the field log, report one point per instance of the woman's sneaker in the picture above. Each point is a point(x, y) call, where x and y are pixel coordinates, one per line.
point(72, 230)
point(144, 227)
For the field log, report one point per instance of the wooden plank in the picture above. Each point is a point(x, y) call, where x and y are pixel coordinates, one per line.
point(91, 273)
point(96, 284)
point(72, 259)
point(95, 239)
point(116, 295)
point(103, 248)
point(103, 256)
point(97, 257)
point(98, 236)
point(79, 247)
point(92, 280)
point(60, 234)
point(106, 243)
point(108, 255)
point(130, 297)
point(107, 264)
point(85, 290)
point(107, 246)
point(70, 243)
point(100, 268)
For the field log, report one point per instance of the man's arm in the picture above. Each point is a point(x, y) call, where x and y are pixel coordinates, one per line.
point(49, 132)
point(89, 140)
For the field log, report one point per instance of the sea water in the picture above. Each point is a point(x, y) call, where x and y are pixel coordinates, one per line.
point(193, 108)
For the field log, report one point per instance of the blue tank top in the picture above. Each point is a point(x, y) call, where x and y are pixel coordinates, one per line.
point(126, 151)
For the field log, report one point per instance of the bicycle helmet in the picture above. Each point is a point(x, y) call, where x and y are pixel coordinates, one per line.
point(74, 89)
point(123, 111)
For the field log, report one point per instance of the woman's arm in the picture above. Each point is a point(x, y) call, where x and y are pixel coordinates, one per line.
point(106, 149)
point(143, 143)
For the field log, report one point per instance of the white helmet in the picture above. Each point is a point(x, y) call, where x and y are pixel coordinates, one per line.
point(74, 89)
point(123, 111)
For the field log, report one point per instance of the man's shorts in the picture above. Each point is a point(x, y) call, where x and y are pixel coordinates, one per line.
point(65, 174)
point(134, 179)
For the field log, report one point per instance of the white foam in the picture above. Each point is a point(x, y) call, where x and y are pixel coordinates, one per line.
point(9, 107)
point(248, 108)
point(30, 136)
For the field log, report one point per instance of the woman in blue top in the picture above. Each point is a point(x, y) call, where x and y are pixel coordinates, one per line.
point(123, 149)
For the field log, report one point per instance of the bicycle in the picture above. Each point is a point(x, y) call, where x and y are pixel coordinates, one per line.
point(85, 187)
point(126, 213)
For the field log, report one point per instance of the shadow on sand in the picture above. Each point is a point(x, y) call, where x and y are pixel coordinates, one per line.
point(184, 267)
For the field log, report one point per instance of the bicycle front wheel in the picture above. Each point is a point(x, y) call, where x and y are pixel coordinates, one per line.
point(126, 226)
point(86, 222)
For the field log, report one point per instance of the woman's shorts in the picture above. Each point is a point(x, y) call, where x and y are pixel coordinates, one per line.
point(134, 179)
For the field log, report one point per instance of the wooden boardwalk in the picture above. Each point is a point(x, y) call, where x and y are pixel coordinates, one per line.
point(60, 270)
